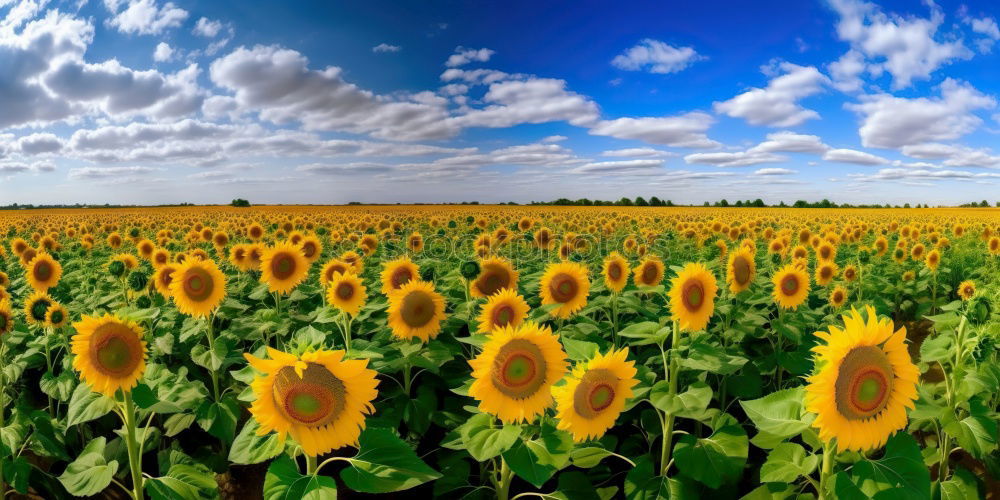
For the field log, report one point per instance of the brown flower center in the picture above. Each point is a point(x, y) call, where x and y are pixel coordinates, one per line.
point(115, 349)
point(418, 309)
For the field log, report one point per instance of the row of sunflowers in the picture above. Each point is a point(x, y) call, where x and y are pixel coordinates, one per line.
point(499, 352)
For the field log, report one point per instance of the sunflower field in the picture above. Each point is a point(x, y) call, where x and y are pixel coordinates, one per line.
point(499, 352)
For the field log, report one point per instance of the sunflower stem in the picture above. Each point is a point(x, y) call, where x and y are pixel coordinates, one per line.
point(503, 489)
point(211, 346)
point(668, 424)
point(3, 407)
point(311, 465)
point(829, 451)
point(133, 446)
point(406, 378)
point(48, 367)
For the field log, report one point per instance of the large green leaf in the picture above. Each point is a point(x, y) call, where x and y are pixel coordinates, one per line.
point(183, 482)
point(525, 464)
point(86, 405)
point(249, 448)
point(284, 482)
point(976, 433)
point(716, 459)
point(644, 483)
point(778, 416)
point(90, 473)
point(901, 470)
point(384, 464)
point(786, 463)
point(688, 404)
point(484, 441)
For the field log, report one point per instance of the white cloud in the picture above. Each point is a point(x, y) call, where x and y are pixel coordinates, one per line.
point(894, 122)
point(687, 130)
point(537, 100)
point(736, 159)
point(790, 142)
point(163, 52)
point(906, 173)
point(638, 153)
point(463, 56)
point(776, 105)
point(21, 167)
point(619, 167)
point(907, 48)
point(385, 47)
point(39, 143)
point(656, 57)
point(207, 28)
point(145, 17)
point(853, 156)
point(986, 26)
point(847, 70)
point(554, 138)
point(953, 155)
point(774, 171)
point(107, 172)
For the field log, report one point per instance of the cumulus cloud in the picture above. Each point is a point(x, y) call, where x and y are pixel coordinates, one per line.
point(145, 17)
point(893, 122)
point(385, 47)
point(536, 100)
point(790, 142)
point(39, 143)
point(907, 48)
point(774, 171)
point(735, 159)
point(207, 28)
point(107, 172)
point(953, 155)
point(687, 130)
point(987, 27)
point(655, 56)
point(163, 52)
point(463, 56)
point(777, 104)
point(853, 156)
point(638, 153)
point(619, 167)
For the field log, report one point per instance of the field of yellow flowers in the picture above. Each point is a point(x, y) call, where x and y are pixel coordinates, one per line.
point(499, 352)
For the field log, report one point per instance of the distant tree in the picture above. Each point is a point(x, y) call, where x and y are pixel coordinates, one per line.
point(984, 204)
point(670, 203)
point(655, 202)
point(706, 203)
point(624, 202)
point(758, 203)
point(641, 202)
point(240, 202)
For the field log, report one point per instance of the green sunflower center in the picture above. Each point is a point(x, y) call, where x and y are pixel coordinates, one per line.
point(418, 309)
point(692, 295)
point(519, 369)
point(790, 285)
point(741, 270)
point(503, 315)
point(282, 266)
point(115, 349)
point(864, 383)
point(313, 400)
point(595, 392)
point(198, 284)
point(563, 288)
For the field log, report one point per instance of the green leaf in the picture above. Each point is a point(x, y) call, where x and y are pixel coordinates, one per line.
point(771, 491)
point(575, 485)
point(249, 448)
point(183, 482)
point(786, 463)
point(579, 350)
point(707, 357)
point(900, 470)
point(961, 486)
point(59, 388)
point(90, 473)
point(484, 441)
point(645, 333)
point(525, 464)
point(589, 456)
point(642, 483)
point(86, 405)
point(715, 459)
point(688, 404)
point(385, 464)
point(219, 419)
point(977, 433)
point(284, 482)
point(939, 348)
point(778, 416)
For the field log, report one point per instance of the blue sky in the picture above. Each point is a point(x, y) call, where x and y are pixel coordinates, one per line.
point(152, 102)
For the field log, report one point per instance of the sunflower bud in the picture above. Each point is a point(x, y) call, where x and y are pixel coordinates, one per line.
point(144, 302)
point(980, 310)
point(137, 281)
point(469, 269)
point(864, 256)
point(116, 268)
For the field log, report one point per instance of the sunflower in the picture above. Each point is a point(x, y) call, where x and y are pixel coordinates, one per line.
point(649, 272)
point(615, 271)
point(319, 398)
point(864, 382)
point(197, 287)
point(741, 269)
point(4, 279)
point(791, 286)
point(127, 259)
point(240, 258)
point(416, 310)
point(161, 256)
point(56, 316)
point(110, 353)
point(565, 284)
point(933, 260)
point(838, 296)
point(515, 371)
point(283, 267)
point(967, 289)
point(850, 273)
point(6, 317)
point(311, 247)
point(495, 274)
point(826, 271)
point(594, 395)
point(826, 251)
point(355, 260)
point(36, 306)
point(993, 245)
point(909, 276)
point(331, 269)
point(505, 308)
point(692, 296)
point(347, 293)
point(398, 273)
point(43, 272)
point(162, 278)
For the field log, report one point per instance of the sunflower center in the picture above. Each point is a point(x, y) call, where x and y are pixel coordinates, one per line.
point(401, 277)
point(741, 270)
point(595, 392)
point(864, 383)
point(39, 308)
point(43, 271)
point(518, 369)
point(790, 285)
point(563, 288)
point(309, 248)
point(418, 309)
point(282, 266)
point(615, 271)
point(826, 272)
point(492, 281)
point(313, 400)
point(3, 322)
point(345, 291)
point(649, 274)
point(198, 284)
point(503, 315)
point(57, 317)
point(692, 295)
point(115, 349)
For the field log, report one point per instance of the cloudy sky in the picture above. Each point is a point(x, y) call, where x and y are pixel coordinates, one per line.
point(153, 101)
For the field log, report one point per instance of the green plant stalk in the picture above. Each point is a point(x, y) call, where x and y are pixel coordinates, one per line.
point(311, 468)
point(668, 424)
point(133, 446)
point(3, 408)
point(944, 441)
point(614, 317)
point(48, 367)
point(347, 320)
point(211, 347)
point(829, 451)
point(503, 487)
